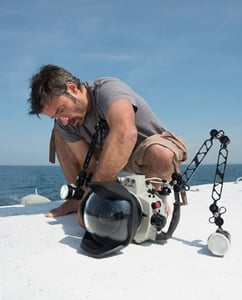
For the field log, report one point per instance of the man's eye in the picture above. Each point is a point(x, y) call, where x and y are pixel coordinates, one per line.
point(61, 110)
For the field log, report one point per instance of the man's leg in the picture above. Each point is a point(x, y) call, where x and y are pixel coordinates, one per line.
point(158, 162)
point(70, 167)
point(159, 155)
point(161, 162)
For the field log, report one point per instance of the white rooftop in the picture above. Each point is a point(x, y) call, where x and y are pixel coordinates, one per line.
point(41, 258)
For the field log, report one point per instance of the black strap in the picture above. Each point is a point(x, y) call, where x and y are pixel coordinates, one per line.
point(101, 130)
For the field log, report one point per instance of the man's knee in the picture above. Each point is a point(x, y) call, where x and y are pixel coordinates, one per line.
point(158, 162)
point(157, 154)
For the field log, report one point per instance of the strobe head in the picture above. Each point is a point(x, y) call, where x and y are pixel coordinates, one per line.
point(219, 242)
point(71, 192)
point(111, 217)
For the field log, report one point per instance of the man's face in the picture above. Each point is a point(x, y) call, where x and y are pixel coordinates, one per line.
point(70, 110)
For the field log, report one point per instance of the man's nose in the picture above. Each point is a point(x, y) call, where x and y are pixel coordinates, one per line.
point(64, 120)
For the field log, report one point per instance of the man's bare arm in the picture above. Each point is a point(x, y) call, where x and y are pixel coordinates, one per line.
point(119, 143)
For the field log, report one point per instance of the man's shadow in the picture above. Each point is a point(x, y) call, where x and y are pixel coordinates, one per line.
point(72, 230)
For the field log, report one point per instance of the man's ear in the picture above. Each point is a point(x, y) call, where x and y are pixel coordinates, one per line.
point(71, 87)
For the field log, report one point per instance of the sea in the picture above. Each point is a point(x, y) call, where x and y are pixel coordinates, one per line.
point(19, 181)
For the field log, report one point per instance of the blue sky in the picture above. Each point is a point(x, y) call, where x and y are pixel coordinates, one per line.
point(184, 57)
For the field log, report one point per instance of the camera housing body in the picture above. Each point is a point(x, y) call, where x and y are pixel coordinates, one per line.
point(134, 209)
point(153, 207)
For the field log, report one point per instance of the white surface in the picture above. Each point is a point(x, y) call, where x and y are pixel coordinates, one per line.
point(41, 257)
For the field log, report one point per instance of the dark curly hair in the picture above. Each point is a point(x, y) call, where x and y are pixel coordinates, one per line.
point(48, 83)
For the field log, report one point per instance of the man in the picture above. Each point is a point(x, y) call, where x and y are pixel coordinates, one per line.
point(135, 141)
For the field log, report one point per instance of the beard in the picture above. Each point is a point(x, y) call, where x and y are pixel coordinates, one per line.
point(79, 112)
point(76, 121)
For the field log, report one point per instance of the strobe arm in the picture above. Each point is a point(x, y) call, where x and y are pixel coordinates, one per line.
point(219, 172)
point(218, 183)
point(218, 242)
point(201, 153)
point(180, 182)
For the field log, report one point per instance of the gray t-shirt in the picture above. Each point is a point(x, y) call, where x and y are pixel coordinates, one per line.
point(103, 92)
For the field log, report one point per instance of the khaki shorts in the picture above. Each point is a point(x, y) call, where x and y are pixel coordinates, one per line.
point(166, 139)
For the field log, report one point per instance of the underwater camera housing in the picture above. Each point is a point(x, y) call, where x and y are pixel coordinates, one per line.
point(117, 213)
point(130, 209)
point(153, 207)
